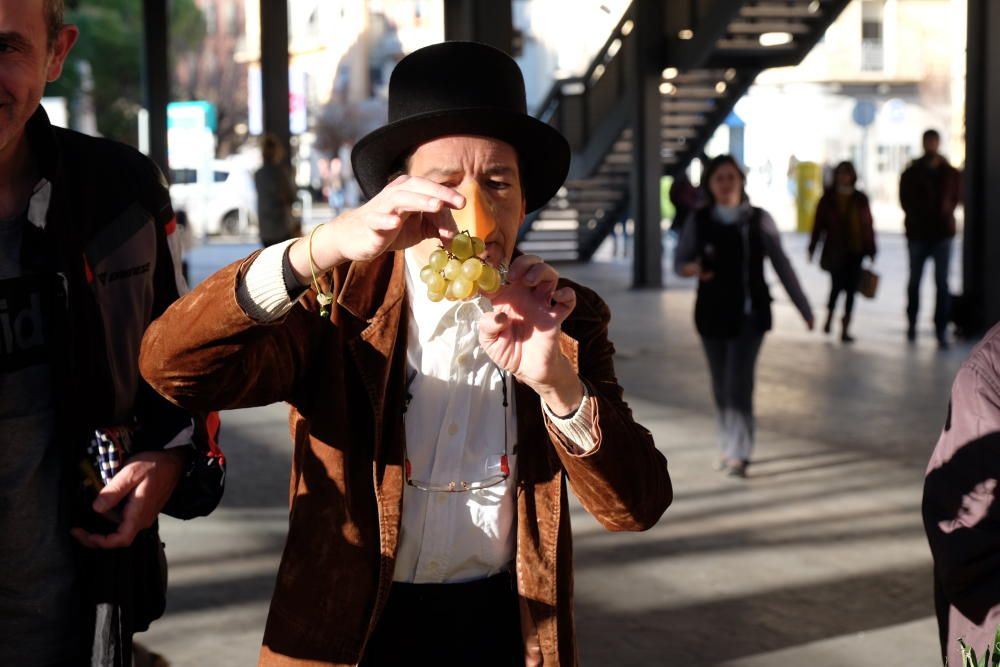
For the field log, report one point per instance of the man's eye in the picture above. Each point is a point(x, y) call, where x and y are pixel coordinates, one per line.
point(499, 185)
point(6, 48)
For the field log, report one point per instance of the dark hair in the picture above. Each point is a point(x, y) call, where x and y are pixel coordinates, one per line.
point(932, 134)
point(54, 10)
point(848, 166)
point(713, 166)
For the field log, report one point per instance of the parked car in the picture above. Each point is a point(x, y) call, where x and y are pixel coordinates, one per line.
point(218, 198)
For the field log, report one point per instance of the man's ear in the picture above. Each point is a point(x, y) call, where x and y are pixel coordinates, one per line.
point(67, 37)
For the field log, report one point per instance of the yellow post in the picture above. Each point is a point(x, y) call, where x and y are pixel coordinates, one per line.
point(809, 190)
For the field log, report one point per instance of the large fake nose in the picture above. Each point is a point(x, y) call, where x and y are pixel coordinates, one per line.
point(476, 217)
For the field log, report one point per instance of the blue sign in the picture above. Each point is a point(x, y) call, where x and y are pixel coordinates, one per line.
point(864, 113)
point(191, 115)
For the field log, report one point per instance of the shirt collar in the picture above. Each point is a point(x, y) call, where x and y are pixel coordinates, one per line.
point(432, 319)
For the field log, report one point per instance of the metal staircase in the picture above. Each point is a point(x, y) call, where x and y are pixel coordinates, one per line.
point(712, 51)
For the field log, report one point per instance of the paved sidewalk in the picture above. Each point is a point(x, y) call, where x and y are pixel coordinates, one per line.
point(819, 558)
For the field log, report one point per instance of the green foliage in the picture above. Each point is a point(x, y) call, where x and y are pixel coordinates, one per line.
point(111, 42)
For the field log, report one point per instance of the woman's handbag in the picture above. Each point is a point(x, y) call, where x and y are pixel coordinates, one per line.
point(868, 285)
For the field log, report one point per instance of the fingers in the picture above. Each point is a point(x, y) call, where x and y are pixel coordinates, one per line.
point(400, 202)
point(427, 188)
point(116, 490)
point(134, 518)
point(492, 324)
point(563, 302)
point(521, 265)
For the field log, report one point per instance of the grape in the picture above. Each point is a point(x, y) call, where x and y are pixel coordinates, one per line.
point(472, 268)
point(458, 273)
point(453, 269)
point(437, 283)
point(489, 281)
point(462, 287)
point(438, 259)
point(461, 247)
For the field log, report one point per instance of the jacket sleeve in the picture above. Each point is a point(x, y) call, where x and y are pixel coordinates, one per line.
point(161, 424)
point(906, 195)
point(623, 481)
point(819, 224)
point(206, 353)
point(960, 510)
point(687, 249)
point(868, 226)
point(771, 238)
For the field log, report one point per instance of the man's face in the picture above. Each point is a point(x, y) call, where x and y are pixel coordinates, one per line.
point(932, 145)
point(27, 63)
point(461, 161)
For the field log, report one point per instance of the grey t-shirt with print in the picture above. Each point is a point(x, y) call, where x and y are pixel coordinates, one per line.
point(38, 597)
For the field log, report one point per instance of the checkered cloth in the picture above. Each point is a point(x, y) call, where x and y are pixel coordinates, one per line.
point(108, 449)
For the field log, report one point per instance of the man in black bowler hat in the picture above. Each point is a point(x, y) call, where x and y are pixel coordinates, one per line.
point(433, 439)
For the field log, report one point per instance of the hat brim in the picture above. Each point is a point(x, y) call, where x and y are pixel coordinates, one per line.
point(543, 152)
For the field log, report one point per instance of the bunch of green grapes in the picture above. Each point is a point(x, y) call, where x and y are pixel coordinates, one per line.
point(457, 273)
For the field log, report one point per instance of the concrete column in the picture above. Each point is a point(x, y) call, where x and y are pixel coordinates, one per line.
point(274, 70)
point(981, 249)
point(486, 21)
point(156, 77)
point(644, 97)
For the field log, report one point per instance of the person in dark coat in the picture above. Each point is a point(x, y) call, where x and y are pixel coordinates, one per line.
point(844, 226)
point(275, 194)
point(929, 191)
point(724, 244)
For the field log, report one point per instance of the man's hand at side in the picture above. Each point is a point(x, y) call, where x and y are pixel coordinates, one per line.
point(145, 484)
point(407, 211)
point(521, 334)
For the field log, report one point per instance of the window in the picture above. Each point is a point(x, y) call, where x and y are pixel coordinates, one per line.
point(183, 176)
point(872, 46)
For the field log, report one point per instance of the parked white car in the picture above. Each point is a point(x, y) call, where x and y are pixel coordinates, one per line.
point(219, 198)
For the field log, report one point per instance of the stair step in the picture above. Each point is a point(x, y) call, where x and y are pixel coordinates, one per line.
point(570, 236)
point(760, 27)
point(549, 246)
point(558, 214)
point(700, 92)
point(550, 225)
point(678, 133)
point(748, 44)
point(683, 120)
point(670, 104)
point(770, 10)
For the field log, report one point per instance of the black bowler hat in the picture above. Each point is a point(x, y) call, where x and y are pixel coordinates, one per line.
point(462, 88)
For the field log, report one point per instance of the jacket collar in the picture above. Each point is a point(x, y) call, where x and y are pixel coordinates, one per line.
point(371, 289)
point(42, 139)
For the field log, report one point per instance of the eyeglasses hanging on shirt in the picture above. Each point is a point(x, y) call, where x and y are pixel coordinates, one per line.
point(496, 468)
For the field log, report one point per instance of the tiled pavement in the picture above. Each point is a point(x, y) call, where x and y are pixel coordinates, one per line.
point(818, 558)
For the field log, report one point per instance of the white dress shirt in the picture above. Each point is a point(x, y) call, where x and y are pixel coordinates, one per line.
point(454, 430)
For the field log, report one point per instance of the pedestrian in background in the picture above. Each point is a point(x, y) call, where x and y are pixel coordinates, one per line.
point(724, 245)
point(844, 226)
point(275, 194)
point(929, 191)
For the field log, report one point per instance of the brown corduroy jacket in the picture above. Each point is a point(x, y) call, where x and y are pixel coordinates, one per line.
point(344, 377)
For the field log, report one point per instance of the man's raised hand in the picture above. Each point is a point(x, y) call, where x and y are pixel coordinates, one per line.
point(404, 213)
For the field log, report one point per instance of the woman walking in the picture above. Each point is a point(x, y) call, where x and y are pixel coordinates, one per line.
point(844, 225)
point(724, 245)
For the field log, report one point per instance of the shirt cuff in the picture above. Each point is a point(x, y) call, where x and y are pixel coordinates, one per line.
point(578, 427)
point(263, 292)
